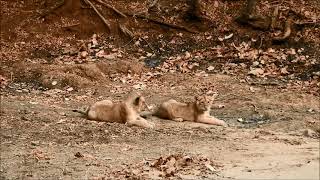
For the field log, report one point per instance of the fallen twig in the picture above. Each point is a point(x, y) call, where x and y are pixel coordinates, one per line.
point(126, 31)
point(72, 25)
point(148, 44)
point(113, 8)
point(163, 23)
point(308, 23)
point(99, 14)
point(127, 43)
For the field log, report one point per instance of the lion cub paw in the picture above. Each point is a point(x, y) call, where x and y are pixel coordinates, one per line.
point(150, 125)
point(178, 119)
point(224, 124)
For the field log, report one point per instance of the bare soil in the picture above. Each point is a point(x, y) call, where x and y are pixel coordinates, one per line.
point(273, 114)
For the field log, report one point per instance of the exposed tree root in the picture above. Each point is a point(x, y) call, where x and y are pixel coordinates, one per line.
point(113, 8)
point(99, 14)
point(162, 23)
point(46, 13)
point(274, 18)
point(287, 31)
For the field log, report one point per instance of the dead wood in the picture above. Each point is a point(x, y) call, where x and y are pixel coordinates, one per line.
point(99, 14)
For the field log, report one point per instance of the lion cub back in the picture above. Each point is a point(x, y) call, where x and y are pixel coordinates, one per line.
point(107, 111)
point(191, 111)
point(173, 110)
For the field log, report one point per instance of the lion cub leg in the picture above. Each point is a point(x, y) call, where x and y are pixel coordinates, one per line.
point(179, 119)
point(139, 121)
point(212, 120)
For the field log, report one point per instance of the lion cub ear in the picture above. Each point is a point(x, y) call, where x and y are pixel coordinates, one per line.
point(137, 100)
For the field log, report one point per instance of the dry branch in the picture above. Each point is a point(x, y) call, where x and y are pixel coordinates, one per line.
point(99, 14)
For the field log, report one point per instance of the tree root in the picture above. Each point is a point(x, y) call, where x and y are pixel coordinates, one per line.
point(99, 14)
point(287, 31)
point(60, 4)
point(163, 23)
point(113, 8)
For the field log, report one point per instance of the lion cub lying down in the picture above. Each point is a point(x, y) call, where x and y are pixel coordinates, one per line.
point(126, 111)
point(197, 111)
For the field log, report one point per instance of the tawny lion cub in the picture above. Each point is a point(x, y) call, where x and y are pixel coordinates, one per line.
point(197, 111)
point(126, 111)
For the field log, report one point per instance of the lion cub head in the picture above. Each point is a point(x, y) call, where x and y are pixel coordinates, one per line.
point(204, 102)
point(137, 101)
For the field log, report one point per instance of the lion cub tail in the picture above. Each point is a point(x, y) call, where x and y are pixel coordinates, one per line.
point(82, 112)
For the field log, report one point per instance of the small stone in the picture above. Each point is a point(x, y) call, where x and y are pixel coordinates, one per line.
point(25, 90)
point(220, 106)
point(251, 89)
point(110, 56)
point(94, 40)
point(255, 63)
point(70, 89)
point(310, 110)
point(210, 68)
point(284, 71)
point(256, 72)
point(240, 120)
point(54, 83)
point(149, 54)
point(35, 143)
point(83, 54)
point(79, 155)
point(187, 55)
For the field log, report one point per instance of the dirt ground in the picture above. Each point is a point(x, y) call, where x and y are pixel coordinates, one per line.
point(52, 63)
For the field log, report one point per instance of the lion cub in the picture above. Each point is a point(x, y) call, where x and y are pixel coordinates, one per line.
point(126, 111)
point(197, 111)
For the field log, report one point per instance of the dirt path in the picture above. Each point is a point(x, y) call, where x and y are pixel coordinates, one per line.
point(41, 137)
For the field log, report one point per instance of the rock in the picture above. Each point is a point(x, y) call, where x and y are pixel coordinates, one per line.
point(83, 54)
point(284, 71)
point(240, 120)
point(79, 155)
point(187, 55)
point(100, 53)
point(149, 54)
point(54, 83)
point(70, 89)
point(35, 143)
point(210, 68)
point(255, 63)
point(94, 40)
